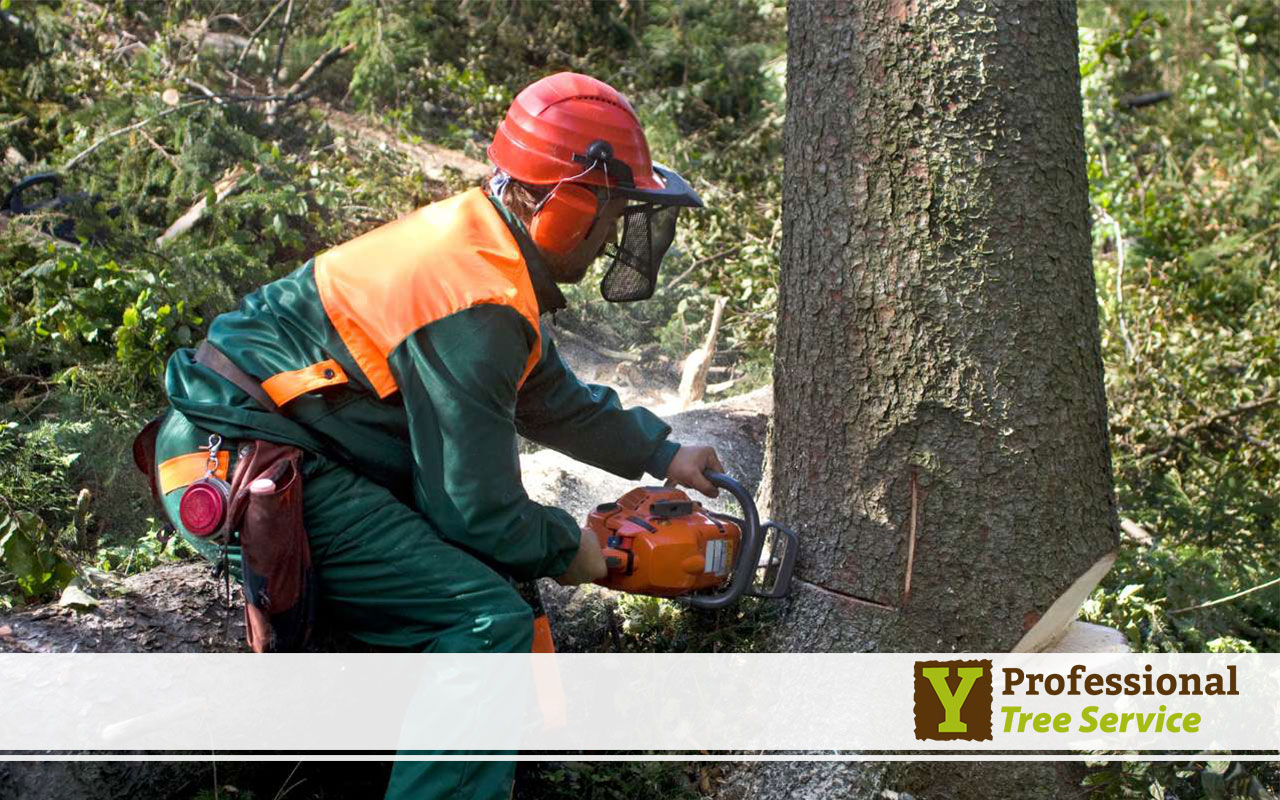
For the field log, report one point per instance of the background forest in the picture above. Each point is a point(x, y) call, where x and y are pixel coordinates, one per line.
point(144, 110)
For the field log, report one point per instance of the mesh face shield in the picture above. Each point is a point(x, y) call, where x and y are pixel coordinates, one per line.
point(647, 233)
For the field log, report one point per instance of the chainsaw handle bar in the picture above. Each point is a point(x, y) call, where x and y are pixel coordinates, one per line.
point(744, 566)
point(13, 201)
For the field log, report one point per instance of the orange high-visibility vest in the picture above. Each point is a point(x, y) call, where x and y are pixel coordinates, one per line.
point(379, 288)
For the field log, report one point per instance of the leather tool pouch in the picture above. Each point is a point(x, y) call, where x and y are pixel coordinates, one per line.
point(277, 576)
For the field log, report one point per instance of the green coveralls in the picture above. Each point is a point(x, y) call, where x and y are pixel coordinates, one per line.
point(413, 503)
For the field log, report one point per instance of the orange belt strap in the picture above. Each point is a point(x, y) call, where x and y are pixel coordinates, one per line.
point(182, 470)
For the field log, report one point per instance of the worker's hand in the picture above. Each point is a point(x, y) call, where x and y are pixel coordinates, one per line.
point(588, 565)
point(688, 465)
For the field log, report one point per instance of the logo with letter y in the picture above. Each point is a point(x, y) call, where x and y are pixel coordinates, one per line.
point(953, 700)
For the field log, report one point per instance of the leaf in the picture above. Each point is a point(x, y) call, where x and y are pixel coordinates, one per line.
point(1215, 788)
point(1259, 792)
point(20, 554)
point(1098, 779)
point(76, 598)
point(1128, 591)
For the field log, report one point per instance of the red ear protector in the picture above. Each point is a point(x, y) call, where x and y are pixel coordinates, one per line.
point(563, 218)
point(566, 214)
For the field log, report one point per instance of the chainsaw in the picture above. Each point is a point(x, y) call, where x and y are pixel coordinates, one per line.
point(657, 541)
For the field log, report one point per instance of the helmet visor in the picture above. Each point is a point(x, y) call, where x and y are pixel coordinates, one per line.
point(647, 233)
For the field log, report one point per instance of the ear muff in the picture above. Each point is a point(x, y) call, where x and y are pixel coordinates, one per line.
point(564, 218)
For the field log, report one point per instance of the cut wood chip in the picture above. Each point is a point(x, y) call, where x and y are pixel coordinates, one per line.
point(1054, 622)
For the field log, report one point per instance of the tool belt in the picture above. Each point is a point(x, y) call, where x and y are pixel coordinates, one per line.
point(263, 505)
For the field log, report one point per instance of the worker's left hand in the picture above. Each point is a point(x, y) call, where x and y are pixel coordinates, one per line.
point(588, 565)
point(688, 465)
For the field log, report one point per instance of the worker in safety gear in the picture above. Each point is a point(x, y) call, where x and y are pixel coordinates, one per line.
point(404, 363)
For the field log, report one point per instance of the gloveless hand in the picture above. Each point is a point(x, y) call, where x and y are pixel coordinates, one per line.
point(588, 565)
point(688, 466)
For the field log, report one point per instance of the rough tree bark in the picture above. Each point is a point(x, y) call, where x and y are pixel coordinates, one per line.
point(939, 435)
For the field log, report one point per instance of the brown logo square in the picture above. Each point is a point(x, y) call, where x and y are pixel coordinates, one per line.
point(953, 700)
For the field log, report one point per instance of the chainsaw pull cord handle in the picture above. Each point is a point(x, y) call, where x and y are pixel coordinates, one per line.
point(748, 552)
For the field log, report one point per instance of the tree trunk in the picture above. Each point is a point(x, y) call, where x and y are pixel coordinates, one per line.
point(939, 436)
point(940, 426)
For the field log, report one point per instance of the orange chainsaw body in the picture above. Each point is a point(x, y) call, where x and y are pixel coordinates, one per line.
point(658, 542)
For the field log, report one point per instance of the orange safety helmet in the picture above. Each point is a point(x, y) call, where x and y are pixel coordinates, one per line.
point(581, 136)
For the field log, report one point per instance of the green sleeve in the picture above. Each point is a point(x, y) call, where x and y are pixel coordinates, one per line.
point(588, 422)
point(457, 379)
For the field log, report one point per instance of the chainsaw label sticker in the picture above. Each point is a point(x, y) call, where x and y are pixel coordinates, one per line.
point(716, 560)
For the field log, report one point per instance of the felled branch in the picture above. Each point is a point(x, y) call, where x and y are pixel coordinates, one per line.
point(156, 145)
point(1135, 532)
point(1228, 598)
point(274, 74)
point(1148, 99)
point(295, 92)
point(284, 39)
point(224, 187)
point(702, 262)
point(256, 31)
point(320, 63)
point(205, 90)
point(78, 157)
point(1208, 421)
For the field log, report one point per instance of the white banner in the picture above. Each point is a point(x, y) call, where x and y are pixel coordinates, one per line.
point(772, 702)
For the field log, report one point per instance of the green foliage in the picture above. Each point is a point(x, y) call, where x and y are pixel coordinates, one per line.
point(31, 558)
point(115, 98)
point(155, 547)
point(35, 469)
point(1192, 780)
point(653, 625)
point(1185, 191)
point(45, 524)
point(639, 780)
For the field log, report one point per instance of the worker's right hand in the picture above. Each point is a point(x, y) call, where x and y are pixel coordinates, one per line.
point(588, 565)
